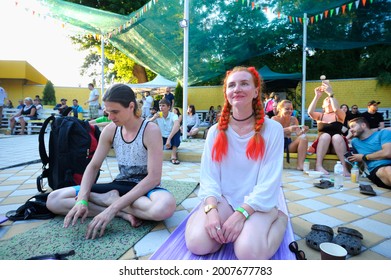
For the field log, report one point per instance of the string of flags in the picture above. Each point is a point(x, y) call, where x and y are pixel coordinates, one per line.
point(343, 9)
point(254, 5)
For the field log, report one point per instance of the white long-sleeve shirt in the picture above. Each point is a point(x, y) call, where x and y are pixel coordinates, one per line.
point(193, 120)
point(242, 180)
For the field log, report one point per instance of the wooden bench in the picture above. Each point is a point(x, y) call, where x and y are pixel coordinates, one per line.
point(32, 126)
point(328, 162)
point(385, 112)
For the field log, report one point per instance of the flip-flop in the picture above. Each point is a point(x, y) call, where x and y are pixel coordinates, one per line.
point(366, 189)
point(324, 184)
point(175, 161)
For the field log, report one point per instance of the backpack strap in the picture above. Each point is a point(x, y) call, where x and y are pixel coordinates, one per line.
point(66, 111)
point(41, 140)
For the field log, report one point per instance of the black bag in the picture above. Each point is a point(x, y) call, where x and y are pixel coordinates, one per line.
point(34, 208)
point(72, 143)
point(56, 256)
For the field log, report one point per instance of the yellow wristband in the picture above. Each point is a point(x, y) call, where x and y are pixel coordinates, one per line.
point(83, 201)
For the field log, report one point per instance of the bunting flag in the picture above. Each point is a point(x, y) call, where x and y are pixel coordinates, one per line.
point(256, 5)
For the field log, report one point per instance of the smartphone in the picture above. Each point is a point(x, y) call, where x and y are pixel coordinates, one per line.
point(348, 154)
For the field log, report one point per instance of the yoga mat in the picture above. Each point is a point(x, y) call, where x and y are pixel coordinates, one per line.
point(174, 248)
point(50, 238)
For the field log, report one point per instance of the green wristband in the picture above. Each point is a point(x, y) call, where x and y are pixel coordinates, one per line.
point(243, 211)
point(83, 201)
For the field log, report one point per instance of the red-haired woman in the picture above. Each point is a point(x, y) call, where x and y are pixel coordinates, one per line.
point(241, 173)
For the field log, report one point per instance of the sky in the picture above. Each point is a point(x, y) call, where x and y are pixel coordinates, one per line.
point(43, 43)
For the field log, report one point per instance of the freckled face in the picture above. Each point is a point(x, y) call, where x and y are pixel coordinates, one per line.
point(241, 89)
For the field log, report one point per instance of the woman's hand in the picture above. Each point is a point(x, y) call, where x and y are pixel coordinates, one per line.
point(99, 223)
point(327, 88)
point(319, 91)
point(214, 227)
point(233, 226)
point(295, 129)
point(77, 211)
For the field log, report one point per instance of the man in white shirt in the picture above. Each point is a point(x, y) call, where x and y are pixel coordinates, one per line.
point(147, 104)
point(93, 102)
point(168, 123)
point(3, 96)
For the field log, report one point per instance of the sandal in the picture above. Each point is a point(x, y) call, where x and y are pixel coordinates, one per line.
point(318, 235)
point(366, 189)
point(324, 184)
point(350, 239)
point(175, 161)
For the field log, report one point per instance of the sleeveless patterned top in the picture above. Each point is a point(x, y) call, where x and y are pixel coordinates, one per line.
point(131, 156)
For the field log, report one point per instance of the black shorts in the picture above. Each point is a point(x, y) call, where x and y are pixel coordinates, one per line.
point(122, 187)
point(373, 177)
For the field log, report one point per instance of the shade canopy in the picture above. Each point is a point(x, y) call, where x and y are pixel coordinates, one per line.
point(223, 33)
point(158, 82)
point(274, 81)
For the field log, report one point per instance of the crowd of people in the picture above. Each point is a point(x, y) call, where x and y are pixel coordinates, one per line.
point(244, 145)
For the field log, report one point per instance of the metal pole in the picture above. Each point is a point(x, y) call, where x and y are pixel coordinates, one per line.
point(304, 66)
point(102, 46)
point(185, 65)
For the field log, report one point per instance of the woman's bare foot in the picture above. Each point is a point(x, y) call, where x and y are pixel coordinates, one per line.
point(299, 168)
point(321, 169)
point(104, 199)
point(135, 222)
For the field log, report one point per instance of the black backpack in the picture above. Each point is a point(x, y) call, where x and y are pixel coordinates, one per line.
point(72, 143)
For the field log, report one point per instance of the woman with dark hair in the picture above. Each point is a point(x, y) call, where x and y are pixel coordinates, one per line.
point(193, 121)
point(136, 193)
point(241, 176)
point(177, 112)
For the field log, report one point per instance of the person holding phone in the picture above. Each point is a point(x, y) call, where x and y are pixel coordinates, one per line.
point(291, 126)
point(329, 122)
point(373, 148)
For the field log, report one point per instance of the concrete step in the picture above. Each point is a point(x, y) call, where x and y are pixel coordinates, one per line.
point(191, 151)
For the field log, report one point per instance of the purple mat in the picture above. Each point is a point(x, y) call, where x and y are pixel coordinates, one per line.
point(174, 248)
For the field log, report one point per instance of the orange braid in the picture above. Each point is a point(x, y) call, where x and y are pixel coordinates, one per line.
point(220, 146)
point(256, 145)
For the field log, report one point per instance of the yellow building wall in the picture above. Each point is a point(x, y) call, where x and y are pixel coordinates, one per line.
point(80, 93)
point(349, 91)
point(353, 92)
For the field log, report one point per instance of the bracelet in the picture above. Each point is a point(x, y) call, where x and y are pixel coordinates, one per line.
point(243, 211)
point(365, 158)
point(83, 201)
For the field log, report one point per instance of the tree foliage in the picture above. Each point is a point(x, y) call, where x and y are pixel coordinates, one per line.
point(123, 68)
point(49, 94)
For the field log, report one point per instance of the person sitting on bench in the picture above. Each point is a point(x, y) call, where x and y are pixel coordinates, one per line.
point(28, 112)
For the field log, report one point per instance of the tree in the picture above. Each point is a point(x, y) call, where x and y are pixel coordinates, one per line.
point(124, 69)
point(178, 95)
point(49, 94)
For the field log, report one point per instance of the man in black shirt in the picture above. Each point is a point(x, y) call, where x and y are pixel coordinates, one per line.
point(374, 118)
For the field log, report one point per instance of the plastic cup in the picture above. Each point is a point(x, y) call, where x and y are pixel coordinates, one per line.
point(160, 114)
point(332, 251)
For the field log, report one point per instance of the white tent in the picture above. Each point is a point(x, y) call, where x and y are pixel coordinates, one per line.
point(158, 82)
